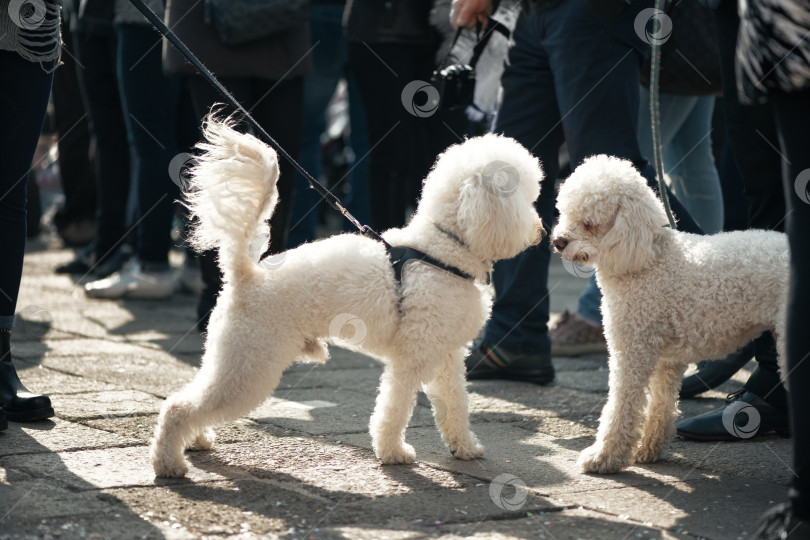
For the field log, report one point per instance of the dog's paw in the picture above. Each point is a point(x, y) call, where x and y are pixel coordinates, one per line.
point(170, 468)
point(403, 454)
point(473, 451)
point(648, 454)
point(595, 459)
point(203, 441)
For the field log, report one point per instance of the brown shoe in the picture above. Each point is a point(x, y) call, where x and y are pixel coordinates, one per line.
point(572, 335)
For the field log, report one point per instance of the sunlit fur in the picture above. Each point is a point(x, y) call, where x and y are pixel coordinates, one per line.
point(267, 317)
point(668, 298)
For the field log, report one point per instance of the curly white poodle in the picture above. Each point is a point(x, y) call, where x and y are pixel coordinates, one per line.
point(669, 298)
point(476, 208)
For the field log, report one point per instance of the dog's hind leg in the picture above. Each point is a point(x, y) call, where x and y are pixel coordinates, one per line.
point(448, 396)
point(395, 403)
point(661, 411)
point(224, 391)
point(621, 420)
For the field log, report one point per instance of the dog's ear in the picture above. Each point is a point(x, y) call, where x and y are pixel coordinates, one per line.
point(627, 246)
point(493, 213)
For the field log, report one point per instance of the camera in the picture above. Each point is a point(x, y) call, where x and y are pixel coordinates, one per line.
point(456, 86)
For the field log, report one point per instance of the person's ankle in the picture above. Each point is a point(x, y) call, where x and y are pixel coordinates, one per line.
point(151, 267)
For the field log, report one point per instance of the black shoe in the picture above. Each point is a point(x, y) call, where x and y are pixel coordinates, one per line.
point(3, 421)
point(744, 416)
point(19, 404)
point(85, 258)
point(778, 523)
point(488, 361)
point(713, 373)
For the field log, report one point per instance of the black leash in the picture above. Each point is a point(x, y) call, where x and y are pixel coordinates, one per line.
point(330, 198)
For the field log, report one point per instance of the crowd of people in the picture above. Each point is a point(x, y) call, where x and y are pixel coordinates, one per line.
point(735, 100)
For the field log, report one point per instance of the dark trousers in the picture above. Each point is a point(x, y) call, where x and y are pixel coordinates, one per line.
point(329, 66)
point(73, 126)
point(572, 77)
point(277, 107)
point(402, 146)
point(96, 51)
point(23, 100)
point(792, 118)
point(752, 133)
point(153, 114)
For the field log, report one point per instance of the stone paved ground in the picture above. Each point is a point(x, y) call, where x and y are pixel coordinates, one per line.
point(301, 466)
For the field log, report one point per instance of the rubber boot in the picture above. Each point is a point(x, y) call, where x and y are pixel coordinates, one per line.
point(16, 401)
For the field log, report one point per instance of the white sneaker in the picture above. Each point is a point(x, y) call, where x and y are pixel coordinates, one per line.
point(132, 282)
point(189, 280)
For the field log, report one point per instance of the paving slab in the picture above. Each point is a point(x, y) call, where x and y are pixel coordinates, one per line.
point(56, 435)
point(105, 404)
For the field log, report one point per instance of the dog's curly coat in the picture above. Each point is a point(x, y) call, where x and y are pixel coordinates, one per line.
point(668, 298)
point(266, 318)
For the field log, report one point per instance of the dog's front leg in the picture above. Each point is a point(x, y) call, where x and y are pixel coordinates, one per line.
point(395, 403)
point(662, 410)
point(620, 423)
point(448, 396)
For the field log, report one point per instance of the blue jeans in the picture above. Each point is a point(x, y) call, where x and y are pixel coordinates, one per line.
point(151, 105)
point(23, 100)
point(572, 77)
point(329, 66)
point(686, 124)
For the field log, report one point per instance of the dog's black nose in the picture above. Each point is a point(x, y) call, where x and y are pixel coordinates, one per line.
point(560, 243)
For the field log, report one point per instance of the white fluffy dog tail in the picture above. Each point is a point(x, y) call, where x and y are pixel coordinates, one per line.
point(232, 192)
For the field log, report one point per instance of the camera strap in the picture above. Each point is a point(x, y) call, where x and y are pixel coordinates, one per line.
point(481, 40)
point(327, 195)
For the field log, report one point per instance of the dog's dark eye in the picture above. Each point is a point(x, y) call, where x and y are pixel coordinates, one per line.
point(588, 226)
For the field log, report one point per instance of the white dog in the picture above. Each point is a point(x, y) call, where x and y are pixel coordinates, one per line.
point(669, 298)
point(476, 208)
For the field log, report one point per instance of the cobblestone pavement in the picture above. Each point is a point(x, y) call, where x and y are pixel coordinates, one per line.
point(301, 466)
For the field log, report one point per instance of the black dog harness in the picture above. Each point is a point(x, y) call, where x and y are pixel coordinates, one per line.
point(399, 255)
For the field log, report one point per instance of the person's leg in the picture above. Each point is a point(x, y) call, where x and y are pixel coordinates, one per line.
point(328, 59)
point(690, 162)
point(96, 51)
point(516, 336)
point(75, 220)
point(278, 107)
point(752, 134)
point(22, 106)
point(357, 201)
point(674, 110)
point(792, 117)
point(150, 100)
point(381, 71)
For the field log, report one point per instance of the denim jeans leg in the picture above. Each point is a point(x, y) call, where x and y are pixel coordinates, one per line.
point(328, 59)
point(589, 302)
point(528, 113)
point(150, 101)
point(690, 162)
point(96, 50)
